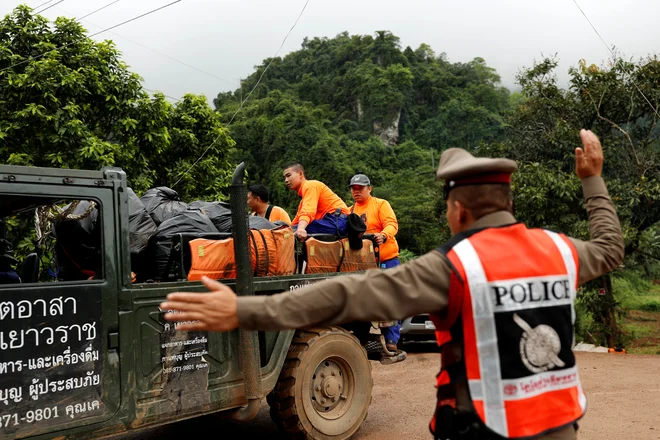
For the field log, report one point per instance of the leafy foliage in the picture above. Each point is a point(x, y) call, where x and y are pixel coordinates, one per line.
point(361, 104)
point(68, 101)
point(619, 103)
point(345, 105)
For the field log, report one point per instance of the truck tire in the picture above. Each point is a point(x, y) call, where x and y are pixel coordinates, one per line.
point(324, 389)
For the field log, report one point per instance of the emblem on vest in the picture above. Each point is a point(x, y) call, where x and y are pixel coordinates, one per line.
point(539, 346)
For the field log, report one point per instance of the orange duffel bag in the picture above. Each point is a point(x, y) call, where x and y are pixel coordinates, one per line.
point(262, 251)
point(285, 248)
point(271, 253)
point(361, 259)
point(213, 258)
point(323, 256)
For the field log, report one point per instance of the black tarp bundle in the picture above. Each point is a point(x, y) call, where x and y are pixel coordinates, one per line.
point(78, 244)
point(199, 218)
point(218, 212)
point(162, 203)
point(154, 219)
point(190, 221)
point(141, 227)
point(256, 222)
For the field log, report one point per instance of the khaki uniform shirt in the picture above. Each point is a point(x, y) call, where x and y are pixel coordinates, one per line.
point(422, 285)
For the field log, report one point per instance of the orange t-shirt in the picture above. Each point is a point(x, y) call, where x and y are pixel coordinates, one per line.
point(276, 214)
point(317, 201)
point(280, 214)
point(380, 219)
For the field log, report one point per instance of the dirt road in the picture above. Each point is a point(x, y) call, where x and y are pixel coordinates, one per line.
point(623, 392)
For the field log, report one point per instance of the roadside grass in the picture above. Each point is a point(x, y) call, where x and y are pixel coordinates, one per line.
point(641, 319)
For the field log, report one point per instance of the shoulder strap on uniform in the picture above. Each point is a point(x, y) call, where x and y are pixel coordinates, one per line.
point(268, 211)
point(453, 241)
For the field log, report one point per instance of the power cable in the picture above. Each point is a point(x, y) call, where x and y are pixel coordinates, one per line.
point(47, 8)
point(91, 35)
point(174, 59)
point(151, 49)
point(247, 97)
point(165, 55)
point(614, 56)
point(110, 4)
point(167, 96)
point(94, 12)
point(42, 4)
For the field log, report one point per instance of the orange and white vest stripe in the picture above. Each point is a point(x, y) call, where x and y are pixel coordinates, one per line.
point(512, 291)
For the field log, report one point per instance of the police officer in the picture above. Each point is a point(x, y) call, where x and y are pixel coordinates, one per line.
point(501, 296)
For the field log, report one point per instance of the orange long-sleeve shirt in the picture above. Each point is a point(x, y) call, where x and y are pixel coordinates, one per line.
point(380, 218)
point(317, 201)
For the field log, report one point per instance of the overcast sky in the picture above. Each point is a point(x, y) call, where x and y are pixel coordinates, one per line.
point(227, 38)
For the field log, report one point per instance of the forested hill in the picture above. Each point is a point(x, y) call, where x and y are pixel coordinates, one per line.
point(362, 103)
point(345, 105)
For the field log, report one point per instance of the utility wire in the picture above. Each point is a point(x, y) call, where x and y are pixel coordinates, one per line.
point(247, 97)
point(167, 96)
point(174, 59)
point(91, 35)
point(655, 110)
point(162, 54)
point(136, 18)
point(93, 24)
point(42, 4)
point(149, 48)
point(94, 12)
point(594, 28)
point(47, 8)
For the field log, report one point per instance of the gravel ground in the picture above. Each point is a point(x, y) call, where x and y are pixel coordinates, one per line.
point(623, 394)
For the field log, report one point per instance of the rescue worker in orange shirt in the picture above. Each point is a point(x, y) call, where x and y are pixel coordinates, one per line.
point(501, 296)
point(381, 221)
point(320, 211)
point(257, 199)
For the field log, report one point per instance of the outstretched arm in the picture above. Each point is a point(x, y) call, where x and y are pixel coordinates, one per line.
point(415, 287)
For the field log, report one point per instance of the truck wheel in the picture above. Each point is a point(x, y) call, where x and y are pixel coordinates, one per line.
point(324, 389)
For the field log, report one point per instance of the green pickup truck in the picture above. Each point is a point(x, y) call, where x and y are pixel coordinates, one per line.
point(91, 356)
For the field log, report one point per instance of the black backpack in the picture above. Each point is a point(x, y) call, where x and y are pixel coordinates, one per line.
point(356, 227)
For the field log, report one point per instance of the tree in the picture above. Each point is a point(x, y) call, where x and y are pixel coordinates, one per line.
point(328, 104)
point(379, 88)
point(619, 103)
point(278, 129)
point(69, 101)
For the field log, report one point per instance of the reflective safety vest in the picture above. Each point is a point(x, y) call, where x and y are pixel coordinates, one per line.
point(511, 303)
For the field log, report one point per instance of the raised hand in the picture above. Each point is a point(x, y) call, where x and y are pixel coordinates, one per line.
point(589, 161)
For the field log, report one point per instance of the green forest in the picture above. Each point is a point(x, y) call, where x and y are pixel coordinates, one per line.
point(355, 104)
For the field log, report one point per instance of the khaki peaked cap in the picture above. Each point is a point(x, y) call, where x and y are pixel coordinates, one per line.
point(457, 163)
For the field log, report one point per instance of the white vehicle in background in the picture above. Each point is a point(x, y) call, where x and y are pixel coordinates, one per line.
point(417, 328)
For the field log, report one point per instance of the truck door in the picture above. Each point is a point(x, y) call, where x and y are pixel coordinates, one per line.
point(59, 367)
